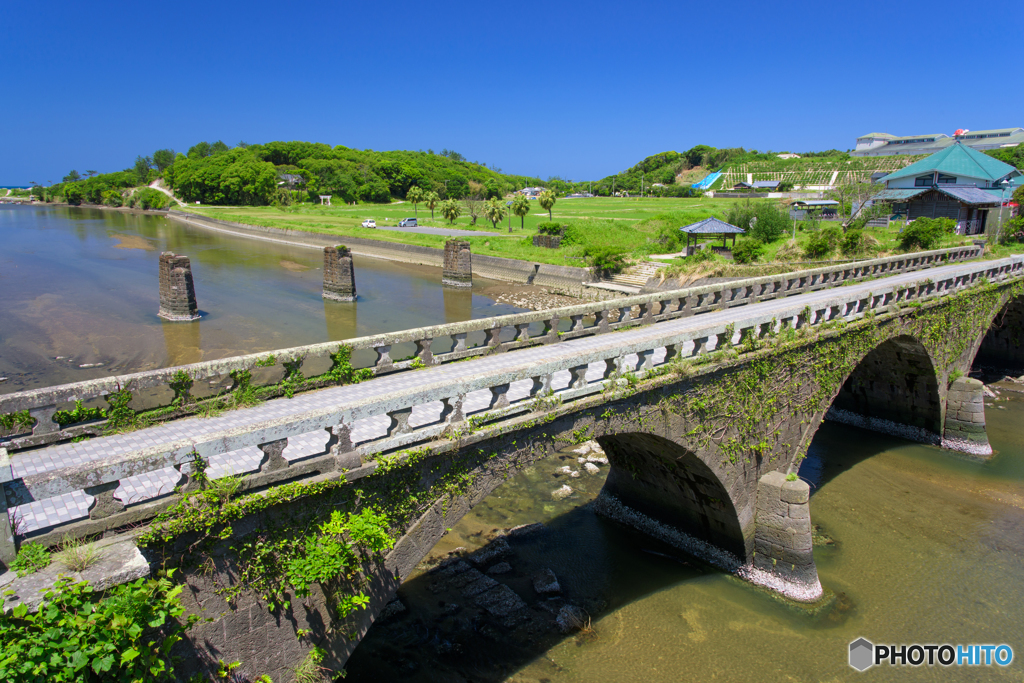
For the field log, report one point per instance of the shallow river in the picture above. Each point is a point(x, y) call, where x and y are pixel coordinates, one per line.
point(926, 548)
point(81, 284)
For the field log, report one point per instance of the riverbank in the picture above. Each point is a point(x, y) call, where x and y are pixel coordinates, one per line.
point(551, 283)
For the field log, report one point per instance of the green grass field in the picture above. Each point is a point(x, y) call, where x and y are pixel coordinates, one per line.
point(629, 224)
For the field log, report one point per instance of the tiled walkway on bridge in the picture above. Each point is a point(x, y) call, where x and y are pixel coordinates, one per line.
point(75, 505)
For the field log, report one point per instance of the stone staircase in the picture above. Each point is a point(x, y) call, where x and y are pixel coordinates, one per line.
point(637, 275)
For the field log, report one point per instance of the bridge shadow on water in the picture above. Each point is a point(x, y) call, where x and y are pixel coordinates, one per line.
point(444, 631)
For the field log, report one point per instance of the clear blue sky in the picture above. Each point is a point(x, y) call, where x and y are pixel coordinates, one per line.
point(576, 90)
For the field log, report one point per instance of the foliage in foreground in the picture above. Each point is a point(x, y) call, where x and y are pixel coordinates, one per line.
point(125, 637)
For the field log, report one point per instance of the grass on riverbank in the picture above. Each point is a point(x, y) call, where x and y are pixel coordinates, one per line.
point(632, 225)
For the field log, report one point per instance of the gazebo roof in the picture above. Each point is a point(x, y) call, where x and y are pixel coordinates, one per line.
point(712, 226)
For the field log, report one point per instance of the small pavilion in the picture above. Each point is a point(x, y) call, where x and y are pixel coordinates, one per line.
point(708, 227)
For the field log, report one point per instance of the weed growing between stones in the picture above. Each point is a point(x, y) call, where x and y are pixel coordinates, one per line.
point(31, 558)
point(77, 554)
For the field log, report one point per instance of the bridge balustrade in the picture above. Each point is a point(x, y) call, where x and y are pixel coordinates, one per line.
point(511, 391)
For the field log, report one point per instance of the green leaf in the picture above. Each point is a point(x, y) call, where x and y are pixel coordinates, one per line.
point(102, 664)
point(79, 660)
point(20, 611)
point(128, 655)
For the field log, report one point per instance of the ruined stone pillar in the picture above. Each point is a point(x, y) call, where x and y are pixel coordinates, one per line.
point(458, 264)
point(782, 536)
point(339, 275)
point(964, 428)
point(177, 291)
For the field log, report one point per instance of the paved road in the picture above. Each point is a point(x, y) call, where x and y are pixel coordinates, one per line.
point(75, 505)
point(446, 232)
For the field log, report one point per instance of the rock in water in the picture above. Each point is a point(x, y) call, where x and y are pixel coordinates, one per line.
point(546, 583)
point(559, 494)
point(500, 568)
point(570, 618)
point(591, 468)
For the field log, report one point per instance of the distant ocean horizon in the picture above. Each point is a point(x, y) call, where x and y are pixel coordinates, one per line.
point(15, 187)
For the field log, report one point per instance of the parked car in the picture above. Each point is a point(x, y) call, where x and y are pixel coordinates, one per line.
point(407, 223)
point(369, 223)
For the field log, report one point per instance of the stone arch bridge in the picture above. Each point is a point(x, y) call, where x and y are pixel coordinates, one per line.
point(704, 399)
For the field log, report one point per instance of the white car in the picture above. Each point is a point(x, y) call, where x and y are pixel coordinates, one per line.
point(369, 223)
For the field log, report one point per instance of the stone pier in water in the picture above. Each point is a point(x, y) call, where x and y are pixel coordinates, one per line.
point(339, 275)
point(458, 264)
point(177, 291)
point(964, 428)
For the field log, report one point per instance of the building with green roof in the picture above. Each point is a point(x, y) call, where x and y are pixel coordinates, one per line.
point(958, 182)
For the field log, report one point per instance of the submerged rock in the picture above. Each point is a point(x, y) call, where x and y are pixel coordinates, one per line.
point(570, 618)
point(500, 568)
point(524, 529)
point(564, 492)
point(393, 608)
point(499, 547)
point(546, 583)
point(591, 468)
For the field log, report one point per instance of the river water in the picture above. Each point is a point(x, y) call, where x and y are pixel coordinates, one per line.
point(918, 545)
point(79, 287)
point(925, 547)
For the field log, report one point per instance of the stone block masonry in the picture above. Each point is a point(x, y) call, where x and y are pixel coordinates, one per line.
point(177, 290)
point(782, 539)
point(964, 429)
point(458, 264)
point(339, 274)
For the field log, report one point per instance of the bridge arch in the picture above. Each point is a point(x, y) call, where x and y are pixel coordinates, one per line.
point(1001, 344)
point(894, 389)
point(660, 478)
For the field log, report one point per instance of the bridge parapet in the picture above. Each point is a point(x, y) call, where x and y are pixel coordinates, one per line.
point(161, 392)
point(520, 383)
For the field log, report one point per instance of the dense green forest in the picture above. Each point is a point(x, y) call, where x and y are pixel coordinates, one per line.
point(286, 172)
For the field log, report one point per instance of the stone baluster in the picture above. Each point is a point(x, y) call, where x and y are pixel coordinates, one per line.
point(494, 339)
point(645, 359)
point(104, 504)
point(541, 385)
point(551, 330)
point(702, 300)
point(625, 314)
point(834, 312)
point(399, 422)
point(523, 332)
point(722, 340)
point(273, 455)
point(423, 350)
point(7, 550)
point(452, 410)
point(672, 352)
point(716, 297)
point(821, 315)
point(460, 342)
point(747, 331)
point(383, 362)
point(646, 313)
point(765, 329)
point(603, 323)
point(788, 321)
point(700, 345)
point(188, 479)
point(499, 397)
point(339, 444)
point(44, 420)
point(577, 323)
point(579, 376)
point(612, 367)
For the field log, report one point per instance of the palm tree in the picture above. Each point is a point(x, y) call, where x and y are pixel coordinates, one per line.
point(495, 211)
point(547, 200)
point(431, 199)
point(415, 196)
point(521, 207)
point(451, 210)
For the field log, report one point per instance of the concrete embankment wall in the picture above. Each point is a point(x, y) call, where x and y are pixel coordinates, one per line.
point(564, 279)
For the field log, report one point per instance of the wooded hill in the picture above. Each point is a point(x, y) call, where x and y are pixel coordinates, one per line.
point(284, 172)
